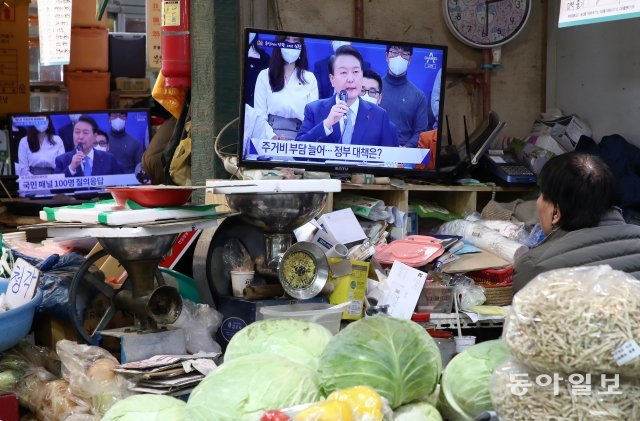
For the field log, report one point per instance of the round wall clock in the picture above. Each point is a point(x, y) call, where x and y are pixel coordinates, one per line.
point(486, 23)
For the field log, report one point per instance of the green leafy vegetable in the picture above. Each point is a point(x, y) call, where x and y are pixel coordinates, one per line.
point(298, 340)
point(465, 382)
point(146, 408)
point(246, 387)
point(395, 357)
point(421, 411)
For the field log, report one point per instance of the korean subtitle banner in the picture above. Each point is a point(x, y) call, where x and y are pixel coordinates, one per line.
point(340, 152)
point(54, 27)
point(582, 12)
point(41, 183)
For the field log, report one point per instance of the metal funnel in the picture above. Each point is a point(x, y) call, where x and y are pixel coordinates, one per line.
point(278, 214)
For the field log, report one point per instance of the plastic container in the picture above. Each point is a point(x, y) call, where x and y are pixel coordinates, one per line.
point(414, 251)
point(327, 315)
point(84, 13)
point(127, 55)
point(48, 100)
point(494, 276)
point(185, 284)
point(464, 342)
point(446, 344)
point(150, 197)
point(436, 299)
point(89, 49)
point(16, 323)
point(87, 90)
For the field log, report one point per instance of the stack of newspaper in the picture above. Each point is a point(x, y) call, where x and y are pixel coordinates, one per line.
point(173, 375)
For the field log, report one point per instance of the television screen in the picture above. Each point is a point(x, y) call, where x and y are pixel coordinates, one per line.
point(79, 152)
point(340, 104)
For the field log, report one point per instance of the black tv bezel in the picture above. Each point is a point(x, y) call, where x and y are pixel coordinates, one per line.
point(48, 113)
point(250, 164)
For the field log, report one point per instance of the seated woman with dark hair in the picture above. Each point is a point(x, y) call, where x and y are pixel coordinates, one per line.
point(577, 212)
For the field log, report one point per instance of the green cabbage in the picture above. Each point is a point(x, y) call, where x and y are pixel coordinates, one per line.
point(464, 390)
point(421, 411)
point(244, 388)
point(146, 408)
point(395, 357)
point(298, 340)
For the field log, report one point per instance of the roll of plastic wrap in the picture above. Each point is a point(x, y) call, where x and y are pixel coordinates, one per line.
point(484, 238)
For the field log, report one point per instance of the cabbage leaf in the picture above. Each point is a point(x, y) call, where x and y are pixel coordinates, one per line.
point(246, 387)
point(298, 340)
point(146, 408)
point(397, 358)
point(464, 390)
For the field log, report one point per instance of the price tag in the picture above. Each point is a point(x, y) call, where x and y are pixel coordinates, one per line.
point(628, 352)
point(22, 284)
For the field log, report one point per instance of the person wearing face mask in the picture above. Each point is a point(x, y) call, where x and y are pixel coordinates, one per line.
point(126, 148)
point(102, 141)
point(257, 60)
point(404, 101)
point(286, 87)
point(372, 91)
point(66, 132)
point(37, 150)
point(84, 160)
point(354, 121)
point(578, 213)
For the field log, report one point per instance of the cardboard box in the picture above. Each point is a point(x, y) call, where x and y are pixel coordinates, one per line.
point(238, 313)
point(14, 57)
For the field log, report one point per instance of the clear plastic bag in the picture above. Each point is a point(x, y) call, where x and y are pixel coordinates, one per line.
point(235, 256)
point(200, 322)
point(89, 371)
point(577, 319)
point(522, 395)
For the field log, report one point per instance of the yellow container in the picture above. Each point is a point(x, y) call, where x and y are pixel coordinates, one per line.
point(87, 90)
point(89, 49)
point(84, 13)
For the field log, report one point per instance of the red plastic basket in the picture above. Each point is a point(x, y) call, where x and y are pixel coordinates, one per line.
point(493, 276)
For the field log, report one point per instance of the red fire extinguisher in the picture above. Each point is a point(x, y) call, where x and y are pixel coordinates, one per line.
point(176, 43)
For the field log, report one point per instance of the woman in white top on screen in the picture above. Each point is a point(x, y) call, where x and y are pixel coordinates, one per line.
point(37, 151)
point(286, 87)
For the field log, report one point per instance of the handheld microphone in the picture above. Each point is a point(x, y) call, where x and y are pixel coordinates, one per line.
point(343, 97)
point(79, 149)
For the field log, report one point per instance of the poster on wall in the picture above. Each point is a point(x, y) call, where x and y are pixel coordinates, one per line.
point(54, 27)
point(582, 12)
point(154, 52)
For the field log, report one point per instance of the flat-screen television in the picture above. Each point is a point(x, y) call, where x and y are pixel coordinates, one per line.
point(77, 153)
point(340, 104)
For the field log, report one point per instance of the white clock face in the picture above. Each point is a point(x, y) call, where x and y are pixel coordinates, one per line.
point(486, 23)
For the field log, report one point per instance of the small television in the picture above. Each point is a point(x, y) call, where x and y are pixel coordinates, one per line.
point(77, 153)
point(291, 85)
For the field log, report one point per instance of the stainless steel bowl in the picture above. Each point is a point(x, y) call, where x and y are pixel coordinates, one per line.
point(278, 212)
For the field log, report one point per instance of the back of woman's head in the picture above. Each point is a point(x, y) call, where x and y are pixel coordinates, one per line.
point(581, 185)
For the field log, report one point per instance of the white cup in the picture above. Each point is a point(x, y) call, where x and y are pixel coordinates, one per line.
point(240, 279)
point(464, 342)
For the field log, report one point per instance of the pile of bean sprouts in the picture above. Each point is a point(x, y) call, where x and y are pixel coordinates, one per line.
point(543, 403)
point(572, 320)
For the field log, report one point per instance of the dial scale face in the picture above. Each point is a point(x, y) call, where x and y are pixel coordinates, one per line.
point(486, 23)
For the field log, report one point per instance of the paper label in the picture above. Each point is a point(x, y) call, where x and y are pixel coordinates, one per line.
point(54, 28)
point(22, 284)
point(154, 20)
point(628, 352)
point(171, 13)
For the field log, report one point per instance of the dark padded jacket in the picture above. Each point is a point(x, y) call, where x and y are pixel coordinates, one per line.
point(612, 242)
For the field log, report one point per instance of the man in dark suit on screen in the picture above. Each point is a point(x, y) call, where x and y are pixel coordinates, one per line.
point(84, 160)
point(344, 118)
